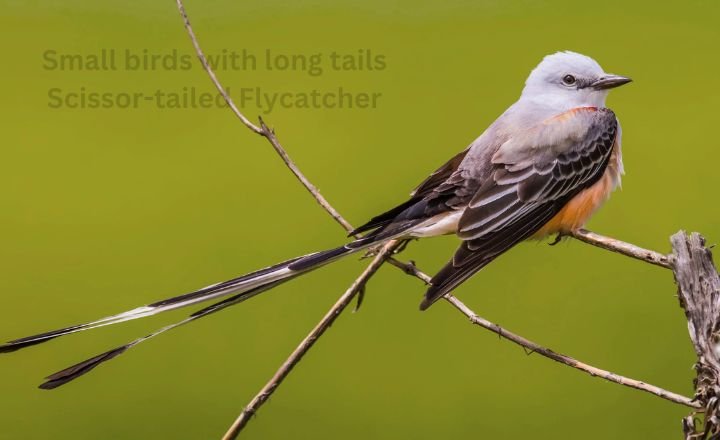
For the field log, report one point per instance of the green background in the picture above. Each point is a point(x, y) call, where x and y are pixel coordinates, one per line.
point(107, 209)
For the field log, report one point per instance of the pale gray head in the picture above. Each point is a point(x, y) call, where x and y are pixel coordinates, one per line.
point(568, 79)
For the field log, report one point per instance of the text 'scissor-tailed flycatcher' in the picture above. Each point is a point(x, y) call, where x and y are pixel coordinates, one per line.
point(543, 167)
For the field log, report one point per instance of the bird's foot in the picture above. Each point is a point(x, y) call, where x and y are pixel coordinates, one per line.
point(371, 252)
point(558, 238)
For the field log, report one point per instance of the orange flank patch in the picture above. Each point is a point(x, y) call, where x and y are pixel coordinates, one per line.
point(579, 209)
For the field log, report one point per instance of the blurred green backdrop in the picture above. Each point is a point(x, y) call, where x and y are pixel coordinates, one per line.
point(107, 209)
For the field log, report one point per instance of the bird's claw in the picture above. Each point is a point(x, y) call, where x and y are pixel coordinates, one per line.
point(558, 238)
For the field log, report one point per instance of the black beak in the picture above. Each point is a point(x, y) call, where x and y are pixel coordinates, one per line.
point(609, 82)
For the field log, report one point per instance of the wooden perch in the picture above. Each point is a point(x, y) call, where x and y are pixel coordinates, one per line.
point(699, 294)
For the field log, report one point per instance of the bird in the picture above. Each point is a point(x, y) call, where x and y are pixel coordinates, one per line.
point(543, 167)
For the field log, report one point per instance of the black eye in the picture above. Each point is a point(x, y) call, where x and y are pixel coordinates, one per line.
point(569, 80)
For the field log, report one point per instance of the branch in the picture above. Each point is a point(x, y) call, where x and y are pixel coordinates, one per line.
point(699, 293)
point(385, 253)
point(623, 248)
point(263, 130)
point(532, 347)
point(208, 69)
point(567, 360)
point(310, 340)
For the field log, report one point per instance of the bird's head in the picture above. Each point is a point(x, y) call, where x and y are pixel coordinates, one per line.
point(569, 79)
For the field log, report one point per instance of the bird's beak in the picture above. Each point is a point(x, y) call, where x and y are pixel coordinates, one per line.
point(609, 81)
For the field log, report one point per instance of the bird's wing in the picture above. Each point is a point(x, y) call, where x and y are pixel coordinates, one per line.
point(426, 188)
point(440, 175)
point(535, 173)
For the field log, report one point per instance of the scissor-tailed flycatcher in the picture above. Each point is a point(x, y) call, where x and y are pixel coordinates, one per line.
point(543, 167)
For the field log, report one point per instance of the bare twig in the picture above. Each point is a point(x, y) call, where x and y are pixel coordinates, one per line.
point(410, 268)
point(263, 130)
point(567, 360)
point(270, 136)
point(532, 347)
point(626, 249)
point(310, 340)
point(208, 69)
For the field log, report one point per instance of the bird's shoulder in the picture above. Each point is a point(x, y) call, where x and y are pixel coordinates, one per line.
point(554, 134)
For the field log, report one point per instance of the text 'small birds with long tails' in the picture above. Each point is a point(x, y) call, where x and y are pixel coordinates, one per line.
point(543, 167)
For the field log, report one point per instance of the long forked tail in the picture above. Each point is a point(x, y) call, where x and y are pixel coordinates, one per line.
point(243, 287)
point(73, 372)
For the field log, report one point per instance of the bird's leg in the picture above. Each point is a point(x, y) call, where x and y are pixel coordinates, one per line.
point(558, 238)
point(371, 252)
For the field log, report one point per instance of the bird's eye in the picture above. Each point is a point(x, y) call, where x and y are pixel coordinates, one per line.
point(569, 80)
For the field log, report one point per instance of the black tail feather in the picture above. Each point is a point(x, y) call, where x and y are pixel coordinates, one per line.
point(29, 341)
point(384, 219)
point(71, 373)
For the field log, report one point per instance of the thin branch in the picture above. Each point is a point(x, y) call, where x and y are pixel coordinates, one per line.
point(208, 69)
point(597, 240)
point(263, 130)
point(567, 360)
point(270, 136)
point(411, 269)
point(310, 340)
point(623, 248)
point(532, 347)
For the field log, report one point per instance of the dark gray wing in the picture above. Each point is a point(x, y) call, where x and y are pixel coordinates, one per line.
point(440, 175)
point(535, 175)
point(439, 192)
